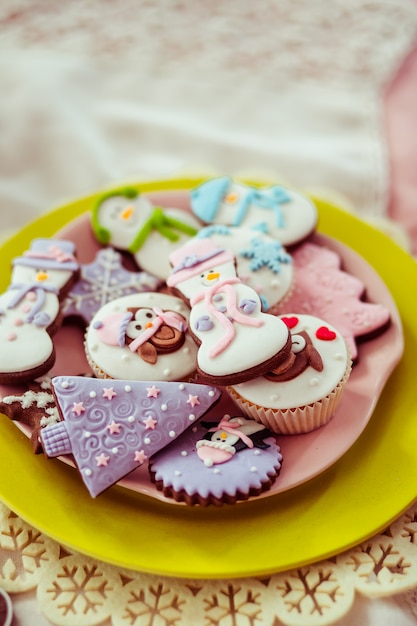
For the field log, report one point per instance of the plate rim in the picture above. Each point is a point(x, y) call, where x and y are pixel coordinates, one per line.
point(224, 568)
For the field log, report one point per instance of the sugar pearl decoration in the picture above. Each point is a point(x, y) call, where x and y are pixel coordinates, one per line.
point(131, 419)
point(172, 434)
point(164, 407)
point(147, 440)
point(64, 384)
point(88, 472)
point(92, 394)
point(128, 388)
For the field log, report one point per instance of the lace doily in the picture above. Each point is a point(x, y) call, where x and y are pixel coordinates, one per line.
point(75, 589)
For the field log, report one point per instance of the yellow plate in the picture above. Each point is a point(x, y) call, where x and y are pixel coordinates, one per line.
point(373, 483)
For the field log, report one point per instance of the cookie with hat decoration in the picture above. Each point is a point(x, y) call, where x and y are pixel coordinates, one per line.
point(218, 462)
point(30, 309)
point(285, 214)
point(236, 339)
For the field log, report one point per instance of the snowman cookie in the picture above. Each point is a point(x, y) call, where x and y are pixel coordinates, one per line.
point(236, 340)
point(284, 214)
point(30, 309)
point(128, 221)
point(261, 261)
point(141, 336)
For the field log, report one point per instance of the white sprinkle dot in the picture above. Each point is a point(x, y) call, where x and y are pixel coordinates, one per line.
point(125, 357)
point(172, 434)
point(274, 397)
point(191, 417)
point(88, 472)
point(184, 453)
point(181, 386)
point(65, 384)
point(87, 434)
point(177, 473)
point(253, 468)
point(147, 440)
point(208, 462)
point(339, 356)
point(131, 419)
point(211, 393)
point(167, 371)
point(314, 381)
point(164, 407)
point(216, 470)
point(115, 450)
point(92, 394)
point(186, 350)
point(257, 452)
point(128, 388)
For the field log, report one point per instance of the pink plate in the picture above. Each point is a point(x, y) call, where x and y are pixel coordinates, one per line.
point(305, 456)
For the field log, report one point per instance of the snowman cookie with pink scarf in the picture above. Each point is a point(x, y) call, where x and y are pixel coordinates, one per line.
point(236, 340)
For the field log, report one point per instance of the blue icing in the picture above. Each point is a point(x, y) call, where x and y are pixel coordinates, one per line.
point(263, 253)
point(261, 227)
point(214, 229)
point(205, 198)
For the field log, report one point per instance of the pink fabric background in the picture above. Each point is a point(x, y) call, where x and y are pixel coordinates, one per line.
point(401, 123)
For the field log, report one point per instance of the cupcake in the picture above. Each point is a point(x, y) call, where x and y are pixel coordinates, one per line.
point(142, 336)
point(303, 393)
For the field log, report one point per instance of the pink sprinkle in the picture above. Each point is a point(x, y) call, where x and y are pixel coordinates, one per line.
point(193, 400)
point(31, 295)
point(109, 393)
point(18, 321)
point(78, 408)
point(153, 392)
point(11, 337)
point(102, 460)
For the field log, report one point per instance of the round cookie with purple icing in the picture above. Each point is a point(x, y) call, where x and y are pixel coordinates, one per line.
point(217, 462)
point(142, 336)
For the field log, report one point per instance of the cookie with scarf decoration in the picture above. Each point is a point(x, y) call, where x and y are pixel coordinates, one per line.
point(218, 461)
point(30, 309)
point(127, 220)
point(141, 336)
point(284, 214)
point(236, 339)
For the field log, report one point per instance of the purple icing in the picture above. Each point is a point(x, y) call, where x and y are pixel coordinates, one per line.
point(179, 467)
point(102, 281)
point(114, 426)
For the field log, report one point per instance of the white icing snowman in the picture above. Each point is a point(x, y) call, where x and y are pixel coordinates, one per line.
point(30, 307)
point(261, 261)
point(129, 221)
point(236, 339)
point(284, 214)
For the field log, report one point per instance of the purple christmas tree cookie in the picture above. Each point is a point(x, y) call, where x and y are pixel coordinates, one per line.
point(111, 427)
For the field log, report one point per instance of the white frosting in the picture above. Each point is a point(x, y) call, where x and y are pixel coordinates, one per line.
point(119, 362)
point(300, 214)
point(311, 385)
point(25, 345)
point(272, 283)
point(153, 257)
point(123, 217)
point(251, 345)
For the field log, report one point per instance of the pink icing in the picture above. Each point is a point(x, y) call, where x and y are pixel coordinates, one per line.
point(324, 290)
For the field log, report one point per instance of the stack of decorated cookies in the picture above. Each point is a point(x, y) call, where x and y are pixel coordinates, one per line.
point(229, 298)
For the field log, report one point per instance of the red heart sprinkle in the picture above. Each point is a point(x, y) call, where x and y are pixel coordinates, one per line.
point(290, 322)
point(325, 333)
